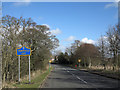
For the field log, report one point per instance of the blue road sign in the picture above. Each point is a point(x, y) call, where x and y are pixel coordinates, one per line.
point(23, 51)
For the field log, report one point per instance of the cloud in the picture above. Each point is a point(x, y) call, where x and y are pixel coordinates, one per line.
point(105, 37)
point(24, 2)
point(27, 0)
point(111, 5)
point(117, 0)
point(46, 25)
point(61, 48)
point(86, 40)
point(62, 0)
point(114, 4)
point(37, 19)
point(71, 38)
point(56, 32)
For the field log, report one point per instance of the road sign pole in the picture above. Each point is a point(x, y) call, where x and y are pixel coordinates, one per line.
point(79, 60)
point(79, 64)
point(23, 51)
point(19, 68)
point(29, 70)
point(49, 66)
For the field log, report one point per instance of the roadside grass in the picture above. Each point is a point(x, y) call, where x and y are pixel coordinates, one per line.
point(35, 82)
point(106, 73)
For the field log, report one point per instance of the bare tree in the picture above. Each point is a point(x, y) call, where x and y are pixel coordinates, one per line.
point(103, 48)
point(17, 32)
point(113, 39)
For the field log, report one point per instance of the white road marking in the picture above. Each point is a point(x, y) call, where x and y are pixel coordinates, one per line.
point(64, 68)
point(67, 71)
point(61, 68)
point(81, 79)
point(73, 74)
point(76, 76)
point(72, 69)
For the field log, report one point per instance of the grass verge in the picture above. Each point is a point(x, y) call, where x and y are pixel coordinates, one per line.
point(35, 82)
point(102, 72)
point(106, 73)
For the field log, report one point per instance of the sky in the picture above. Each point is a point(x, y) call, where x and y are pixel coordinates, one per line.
point(69, 21)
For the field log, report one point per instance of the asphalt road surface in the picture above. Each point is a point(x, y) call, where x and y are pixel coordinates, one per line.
point(66, 77)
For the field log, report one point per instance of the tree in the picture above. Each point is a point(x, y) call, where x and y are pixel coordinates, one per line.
point(87, 53)
point(103, 48)
point(63, 58)
point(113, 39)
point(71, 50)
point(17, 32)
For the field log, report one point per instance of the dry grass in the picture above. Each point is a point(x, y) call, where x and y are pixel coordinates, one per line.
point(25, 78)
point(102, 68)
point(108, 72)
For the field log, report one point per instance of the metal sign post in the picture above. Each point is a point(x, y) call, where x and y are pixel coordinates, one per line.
point(29, 70)
point(79, 64)
point(23, 51)
point(49, 65)
point(19, 68)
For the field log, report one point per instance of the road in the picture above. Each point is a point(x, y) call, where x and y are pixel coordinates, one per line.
point(66, 77)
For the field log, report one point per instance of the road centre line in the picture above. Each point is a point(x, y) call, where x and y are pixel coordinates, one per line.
point(72, 74)
point(81, 79)
point(67, 71)
point(77, 77)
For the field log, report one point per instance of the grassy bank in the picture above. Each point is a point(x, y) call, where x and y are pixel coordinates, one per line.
point(102, 72)
point(36, 81)
point(106, 73)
